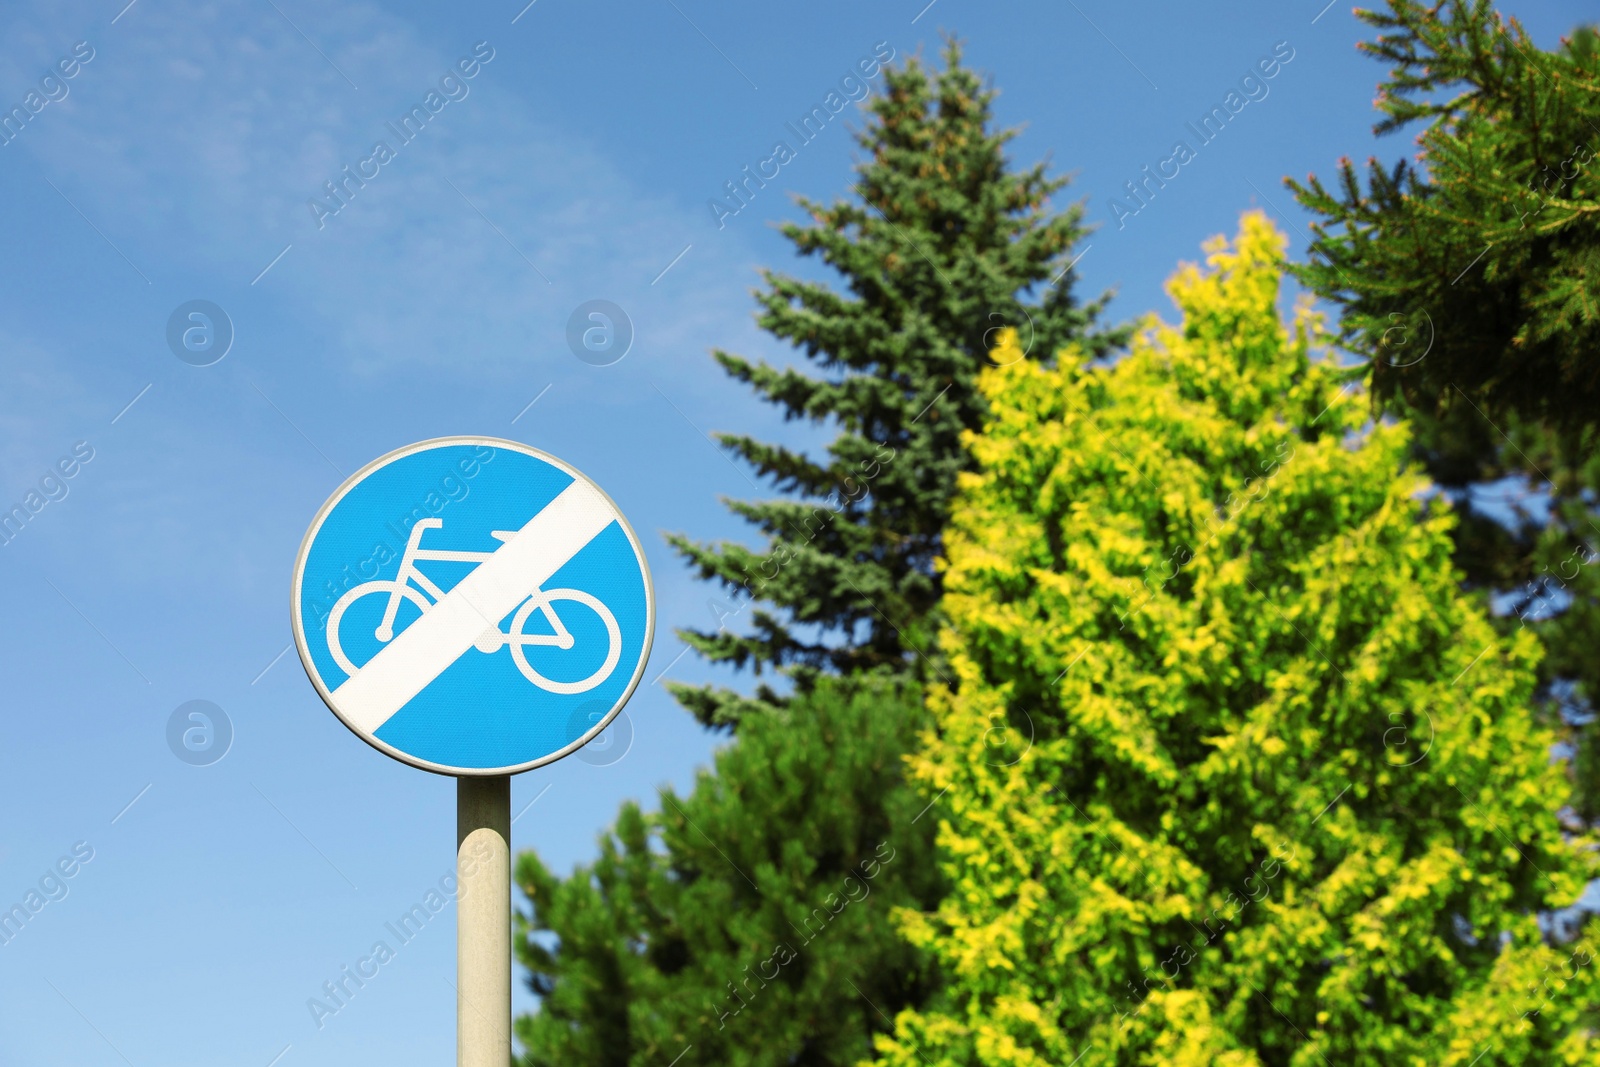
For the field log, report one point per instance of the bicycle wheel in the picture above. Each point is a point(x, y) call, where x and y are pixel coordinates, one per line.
point(387, 588)
point(546, 598)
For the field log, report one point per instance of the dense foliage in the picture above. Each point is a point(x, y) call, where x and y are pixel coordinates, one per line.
point(1233, 772)
point(748, 923)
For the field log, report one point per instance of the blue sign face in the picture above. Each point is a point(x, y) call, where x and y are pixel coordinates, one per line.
point(472, 606)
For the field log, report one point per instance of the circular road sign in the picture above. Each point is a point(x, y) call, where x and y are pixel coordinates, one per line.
point(459, 601)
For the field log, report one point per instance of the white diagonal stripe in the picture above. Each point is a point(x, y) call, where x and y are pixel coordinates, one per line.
point(405, 666)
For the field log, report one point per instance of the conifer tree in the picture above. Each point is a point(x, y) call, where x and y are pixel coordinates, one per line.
point(1233, 773)
point(941, 245)
point(747, 924)
point(1487, 244)
point(1470, 278)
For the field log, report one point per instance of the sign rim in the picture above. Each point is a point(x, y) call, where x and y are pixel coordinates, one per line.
point(344, 489)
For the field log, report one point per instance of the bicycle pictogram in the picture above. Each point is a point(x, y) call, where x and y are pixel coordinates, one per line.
point(412, 585)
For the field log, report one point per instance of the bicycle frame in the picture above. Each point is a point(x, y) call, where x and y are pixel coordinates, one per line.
point(409, 572)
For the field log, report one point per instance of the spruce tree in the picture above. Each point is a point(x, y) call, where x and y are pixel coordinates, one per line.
point(1470, 279)
point(1233, 773)
point(942, 244)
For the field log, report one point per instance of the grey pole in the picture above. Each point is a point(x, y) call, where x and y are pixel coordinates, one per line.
point(483, 921)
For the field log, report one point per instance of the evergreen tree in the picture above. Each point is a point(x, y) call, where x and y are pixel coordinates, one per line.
point(1470, 278)
point(633, 956)
point(1233, 774)
point(1488, 243)
point(749, 923)
point(942, 245)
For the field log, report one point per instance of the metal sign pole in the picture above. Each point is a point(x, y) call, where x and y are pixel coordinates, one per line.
point(483, 921)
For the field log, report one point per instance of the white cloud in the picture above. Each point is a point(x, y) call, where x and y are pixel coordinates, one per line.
point(199, 134)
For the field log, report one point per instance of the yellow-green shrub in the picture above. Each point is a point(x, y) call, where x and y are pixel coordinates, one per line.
point(1229, 771)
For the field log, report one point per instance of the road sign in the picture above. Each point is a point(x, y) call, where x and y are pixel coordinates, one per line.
point(472, 606)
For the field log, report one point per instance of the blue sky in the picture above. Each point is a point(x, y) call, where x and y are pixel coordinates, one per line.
point(576, 164)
